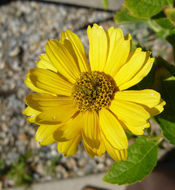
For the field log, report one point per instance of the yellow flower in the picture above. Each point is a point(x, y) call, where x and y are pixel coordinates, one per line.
point(77, 100)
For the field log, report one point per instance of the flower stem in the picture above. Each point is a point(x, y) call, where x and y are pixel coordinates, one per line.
point(158, 138)
point(153, 25)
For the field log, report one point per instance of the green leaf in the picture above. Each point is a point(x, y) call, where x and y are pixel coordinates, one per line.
point(105, 4)
point(27, 178)
point(162, 20)
point(142, 158)
point(146, 8)
point(171, 38)
point(167, 119)
point(160, 34)
point(123, 16)
point(165, 84)
point(168, 94)
point(168, 128)
point(170, 12)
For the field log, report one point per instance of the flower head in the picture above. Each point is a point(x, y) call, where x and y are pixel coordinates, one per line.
point(76, 100)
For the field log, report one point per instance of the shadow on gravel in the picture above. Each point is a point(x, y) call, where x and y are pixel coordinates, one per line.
point(71, 5)
point(4, 2)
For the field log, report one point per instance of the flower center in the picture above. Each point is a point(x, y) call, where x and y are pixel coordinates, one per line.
point(93, 91)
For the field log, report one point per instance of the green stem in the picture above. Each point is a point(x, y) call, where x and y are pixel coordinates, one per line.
point(159, 138)
point(153, 25)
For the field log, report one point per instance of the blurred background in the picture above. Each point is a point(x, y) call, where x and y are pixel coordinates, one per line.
point(25, 27)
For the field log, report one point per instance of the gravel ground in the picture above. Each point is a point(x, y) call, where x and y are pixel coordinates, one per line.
point(25, 28)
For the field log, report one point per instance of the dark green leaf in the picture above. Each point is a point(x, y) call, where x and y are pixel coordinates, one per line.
point(27, 178)
point(168, 128)
point(160, 34)
point(170, 12)
point(142, 158)
point(146, 8)
point(171, 38)
point(162, 20)
point(167, 119)
point(123, 16)
point(165, 84)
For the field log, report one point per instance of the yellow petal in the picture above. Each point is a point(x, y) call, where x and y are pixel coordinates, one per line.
point(45, 63)
point(135, 69)
point(101, 149)
point(31, 86)
point(130, 113)
point(92, 151)
point(119, 50)
point(98, 47)
point(44, 134)
point(146, 97)
point(156, 109)
point(50, 82)
point(62, 60)
point(70, 129)
point(91, 129)
point(43, 102)
point(89, 150)
point(32, 113)
point(114, 34)
point(116, 154)
point(77, 48)
point(112, 130)
point(138, 129)
point(69, 148)
point(56, 115)
point(140, 75)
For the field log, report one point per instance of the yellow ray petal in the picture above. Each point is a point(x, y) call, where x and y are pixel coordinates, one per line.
point(45, 63)
point(32, 113)
point(44, 134)
point(69, 148)
point(112, 130)
point(56, 115)
point(138, 129)
point(62, 60)
point(101, 149)
point(156, 109)
point(70, 129)
point(90, 132)
point(77, 48)
point(116, 154)
point(98, 47)
point(130, 113)
point(92, 151)
point(114, 34)
point(119, 50)
point(139, 76)
point(95, 150)
point(31, 86)
point(50, 82)
point(43, 102)
point(146, 97)
point(89, 150)
point(135, 69)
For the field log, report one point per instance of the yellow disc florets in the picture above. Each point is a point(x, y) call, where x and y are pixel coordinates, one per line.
point(93, 91)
